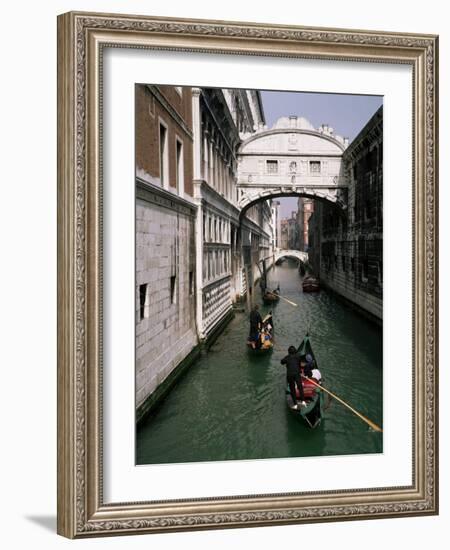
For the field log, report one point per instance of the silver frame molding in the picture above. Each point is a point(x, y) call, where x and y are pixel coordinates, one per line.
point(81, 510)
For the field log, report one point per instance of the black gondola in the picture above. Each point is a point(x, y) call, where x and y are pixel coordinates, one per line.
point(312, 413)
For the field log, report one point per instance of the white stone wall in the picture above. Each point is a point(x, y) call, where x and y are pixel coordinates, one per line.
point(167, 333)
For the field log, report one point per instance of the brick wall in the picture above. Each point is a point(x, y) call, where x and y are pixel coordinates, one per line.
point(150, 108)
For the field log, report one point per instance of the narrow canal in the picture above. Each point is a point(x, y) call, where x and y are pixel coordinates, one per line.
point(231, 403)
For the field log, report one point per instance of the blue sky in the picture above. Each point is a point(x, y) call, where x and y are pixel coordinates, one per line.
point(347, 114)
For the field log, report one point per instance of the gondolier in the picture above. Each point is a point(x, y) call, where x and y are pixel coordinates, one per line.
point(255, 326)
point(292, 362)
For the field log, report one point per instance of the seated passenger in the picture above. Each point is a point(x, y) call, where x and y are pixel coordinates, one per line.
point(315, 375)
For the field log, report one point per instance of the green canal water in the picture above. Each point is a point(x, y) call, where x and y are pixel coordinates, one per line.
point(231, 404)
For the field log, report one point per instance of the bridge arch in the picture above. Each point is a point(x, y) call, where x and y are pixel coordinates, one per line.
point(284, 253)
point(292, 158)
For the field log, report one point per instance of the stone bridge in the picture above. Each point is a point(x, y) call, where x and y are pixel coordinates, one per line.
point(292, 158)
point(283, 253)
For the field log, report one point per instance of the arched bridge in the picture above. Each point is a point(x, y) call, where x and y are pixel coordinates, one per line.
point(292, 158)
point(283, 253)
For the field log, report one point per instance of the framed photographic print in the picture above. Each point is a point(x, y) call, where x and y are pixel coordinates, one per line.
point(247, 283)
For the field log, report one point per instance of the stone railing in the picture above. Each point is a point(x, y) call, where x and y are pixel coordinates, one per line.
point(216, 302)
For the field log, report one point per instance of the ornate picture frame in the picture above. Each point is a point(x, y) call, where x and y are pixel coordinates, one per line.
point(82, 511)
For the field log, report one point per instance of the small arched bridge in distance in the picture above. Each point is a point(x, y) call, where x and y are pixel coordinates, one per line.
point(283, 253)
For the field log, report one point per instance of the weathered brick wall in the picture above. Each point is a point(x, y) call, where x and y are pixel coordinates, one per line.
point(149, 110)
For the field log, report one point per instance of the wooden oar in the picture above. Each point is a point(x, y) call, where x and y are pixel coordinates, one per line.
point(282, 297)
point(366, 420)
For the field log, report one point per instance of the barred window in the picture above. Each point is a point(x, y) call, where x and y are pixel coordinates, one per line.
point(272, 166)
point(314, 166)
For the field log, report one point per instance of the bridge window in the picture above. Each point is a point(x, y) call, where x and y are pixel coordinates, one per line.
point(272, 166)
point(314, 166)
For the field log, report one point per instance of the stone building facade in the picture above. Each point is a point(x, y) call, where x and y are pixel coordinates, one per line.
point(192, 238)
point(276, 223)
point(304, 212)
point(351, 241)
point(284, 234)
point(223, 234)
point(165, 236)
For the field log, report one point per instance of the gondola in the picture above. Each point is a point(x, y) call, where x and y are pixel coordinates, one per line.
point(271, 297)
point(265, 339)
point(312, 413)
point(310, 284)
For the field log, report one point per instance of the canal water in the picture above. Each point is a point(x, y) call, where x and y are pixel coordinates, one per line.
point(231, 403)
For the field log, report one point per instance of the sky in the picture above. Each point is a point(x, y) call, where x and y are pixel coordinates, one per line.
point(347, 114)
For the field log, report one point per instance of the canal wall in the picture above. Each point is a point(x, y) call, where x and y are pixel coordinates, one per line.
point(160, 392)
point(166, 331)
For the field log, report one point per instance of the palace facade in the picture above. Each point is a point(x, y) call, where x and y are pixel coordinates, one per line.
point(196, 252)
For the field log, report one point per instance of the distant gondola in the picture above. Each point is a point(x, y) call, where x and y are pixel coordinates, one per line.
point(312, 413)
point(310, 284)
point(271, 297)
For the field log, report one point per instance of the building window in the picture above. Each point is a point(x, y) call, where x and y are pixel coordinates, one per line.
point(144, 299)
point(380, 272)
point(314, 166)
point(191, 283)
point(272, 166)
point(180, 166)
point(173, 289)
point(163, 158)
point(365, 270)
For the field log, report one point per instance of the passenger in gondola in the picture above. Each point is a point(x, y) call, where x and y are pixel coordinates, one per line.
point(268, 323)
point(255, 327)
point(316, 375)
point(310, 369)
point(309, 365)
point(292, 362)
point(266, 339)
